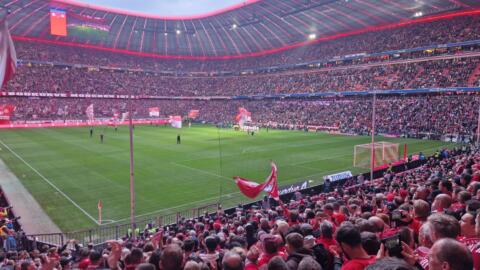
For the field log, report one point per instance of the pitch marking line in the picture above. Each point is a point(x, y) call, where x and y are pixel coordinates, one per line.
point(50, 183)
point(201, 171)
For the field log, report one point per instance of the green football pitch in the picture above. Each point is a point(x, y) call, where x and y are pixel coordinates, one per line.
point(67, 172)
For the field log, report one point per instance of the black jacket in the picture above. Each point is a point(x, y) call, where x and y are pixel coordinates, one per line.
point(294, 258)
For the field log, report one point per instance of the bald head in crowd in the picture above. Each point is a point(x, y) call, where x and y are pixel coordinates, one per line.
point(467, 225)
point(377, 223)
point(232, 261)
point(449, 254)
point(192, 265)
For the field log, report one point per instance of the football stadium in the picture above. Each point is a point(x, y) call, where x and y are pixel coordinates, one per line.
point(240, 134)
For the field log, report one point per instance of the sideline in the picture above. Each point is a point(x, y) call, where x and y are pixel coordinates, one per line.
point(50, 183)
point(34, 219)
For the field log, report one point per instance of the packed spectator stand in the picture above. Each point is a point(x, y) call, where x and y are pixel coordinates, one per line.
point(386, 75)
point(397, 115)
point(433, 209)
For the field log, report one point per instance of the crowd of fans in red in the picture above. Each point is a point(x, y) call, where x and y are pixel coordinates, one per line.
point(399, 115)
point(424, 218)
point(435, 73)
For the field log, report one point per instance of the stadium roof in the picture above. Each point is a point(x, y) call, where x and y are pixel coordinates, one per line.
point(256, 27)
point(186, 9)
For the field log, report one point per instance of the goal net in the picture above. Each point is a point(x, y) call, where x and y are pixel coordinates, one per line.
point(385, 153)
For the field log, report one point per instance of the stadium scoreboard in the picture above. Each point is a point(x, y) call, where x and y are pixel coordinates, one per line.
point(58, 22)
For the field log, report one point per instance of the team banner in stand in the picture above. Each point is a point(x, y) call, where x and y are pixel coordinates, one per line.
point(293, 187)
point(154, 112)
point(338, 176)
point(6, 112)
point(192, 114)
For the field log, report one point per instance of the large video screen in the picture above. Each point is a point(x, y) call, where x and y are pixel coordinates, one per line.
point(58, 22)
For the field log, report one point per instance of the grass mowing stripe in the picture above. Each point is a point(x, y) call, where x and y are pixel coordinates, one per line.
point(50, 183)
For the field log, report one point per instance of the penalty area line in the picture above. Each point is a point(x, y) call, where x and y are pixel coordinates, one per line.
point(50, 183)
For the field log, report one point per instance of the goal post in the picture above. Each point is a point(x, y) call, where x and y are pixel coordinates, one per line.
point(385, 153)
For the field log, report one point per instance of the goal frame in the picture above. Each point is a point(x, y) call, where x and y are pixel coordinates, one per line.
point(383, 145)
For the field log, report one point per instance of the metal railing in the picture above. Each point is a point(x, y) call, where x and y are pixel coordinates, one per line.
point(101, 234)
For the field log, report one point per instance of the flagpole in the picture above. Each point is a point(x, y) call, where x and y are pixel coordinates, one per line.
point(132, 178)
point(372, 162)
point(221, 165)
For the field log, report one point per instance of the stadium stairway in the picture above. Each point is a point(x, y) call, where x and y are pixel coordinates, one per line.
point(472, 79)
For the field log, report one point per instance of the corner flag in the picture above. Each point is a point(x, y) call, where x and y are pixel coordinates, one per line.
point(100, 206)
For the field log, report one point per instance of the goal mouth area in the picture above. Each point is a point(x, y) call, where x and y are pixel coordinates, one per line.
point(377, 144)
point(384, 153)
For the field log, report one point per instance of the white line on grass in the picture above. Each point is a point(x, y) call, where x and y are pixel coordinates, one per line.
point(201, 171)
point(50, 183)
point(257, 151)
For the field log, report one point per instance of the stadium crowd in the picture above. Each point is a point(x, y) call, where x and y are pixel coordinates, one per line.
point(408, 36)
point(427, 74)
point(399, 115)
point(424, 218)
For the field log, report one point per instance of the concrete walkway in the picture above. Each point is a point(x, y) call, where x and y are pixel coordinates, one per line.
point(34, 220)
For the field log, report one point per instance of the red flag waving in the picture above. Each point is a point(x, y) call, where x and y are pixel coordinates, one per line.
point(8, 58)
point(252, 189)
point(100, 205)
point(90, 113)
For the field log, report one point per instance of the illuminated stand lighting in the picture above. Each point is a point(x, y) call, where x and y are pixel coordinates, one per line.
point(418, 14)
point(312, 36)
point(178, 32)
